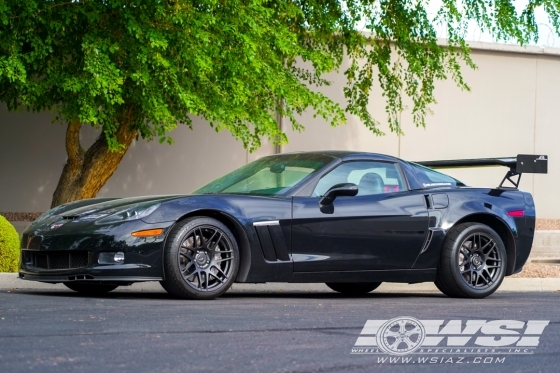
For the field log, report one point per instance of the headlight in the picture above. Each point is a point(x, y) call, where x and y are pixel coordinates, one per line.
point(133, 212)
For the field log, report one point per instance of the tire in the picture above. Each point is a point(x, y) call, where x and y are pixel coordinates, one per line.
point(90, 289)
point(353, 288)
point(201, 259)
point(473, 262)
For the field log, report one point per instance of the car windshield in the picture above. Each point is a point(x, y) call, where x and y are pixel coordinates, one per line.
point(267, 176)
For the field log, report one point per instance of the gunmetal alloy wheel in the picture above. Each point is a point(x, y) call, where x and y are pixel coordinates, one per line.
point(472, 263)
point(479, 261)
point(201, 259)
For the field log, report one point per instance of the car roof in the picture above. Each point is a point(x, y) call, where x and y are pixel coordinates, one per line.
point(349, 155)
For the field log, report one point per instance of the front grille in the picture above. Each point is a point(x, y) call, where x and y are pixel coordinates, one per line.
point(66, 260)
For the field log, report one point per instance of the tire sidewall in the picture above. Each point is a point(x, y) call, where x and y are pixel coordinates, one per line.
point(456, 273)
point(174, 279)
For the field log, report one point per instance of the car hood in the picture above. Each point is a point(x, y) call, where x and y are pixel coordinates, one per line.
point(110, 207)
point(94, 211)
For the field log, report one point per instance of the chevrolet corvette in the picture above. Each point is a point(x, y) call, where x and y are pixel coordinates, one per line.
point(349, 219)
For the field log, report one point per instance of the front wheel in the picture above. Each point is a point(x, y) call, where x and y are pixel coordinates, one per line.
point(353, 288)
point(201, 259)
point(472, 263)
point(90, 289)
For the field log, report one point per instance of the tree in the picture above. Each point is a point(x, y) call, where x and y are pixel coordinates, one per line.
point(136, 68)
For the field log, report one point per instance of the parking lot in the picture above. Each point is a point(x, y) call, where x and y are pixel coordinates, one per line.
point(248, 331)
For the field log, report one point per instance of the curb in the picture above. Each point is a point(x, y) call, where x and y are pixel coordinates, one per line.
point(10, 281)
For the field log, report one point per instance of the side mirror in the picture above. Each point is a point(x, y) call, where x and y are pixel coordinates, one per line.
point(344, 189)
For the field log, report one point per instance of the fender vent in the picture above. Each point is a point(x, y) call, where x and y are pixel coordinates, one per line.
point(428, 241)
point(272, 241)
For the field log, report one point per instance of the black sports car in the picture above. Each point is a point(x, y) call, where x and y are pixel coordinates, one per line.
point(349, 219)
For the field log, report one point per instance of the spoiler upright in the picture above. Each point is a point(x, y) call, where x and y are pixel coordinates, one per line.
point(522, 164)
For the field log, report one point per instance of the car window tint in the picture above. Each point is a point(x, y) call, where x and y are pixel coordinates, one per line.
point(430, 178)
point(267, 180)
point(370, 177)
point(267, 176)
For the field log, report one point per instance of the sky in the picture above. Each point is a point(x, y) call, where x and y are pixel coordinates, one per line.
point(547, 36)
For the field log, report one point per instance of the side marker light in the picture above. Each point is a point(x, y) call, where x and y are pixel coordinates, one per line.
point(148, 233)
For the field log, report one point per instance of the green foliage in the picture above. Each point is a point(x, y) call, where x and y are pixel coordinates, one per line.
point(237, 62)
point(9, 246)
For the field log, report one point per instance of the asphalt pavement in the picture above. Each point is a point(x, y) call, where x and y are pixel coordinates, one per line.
point(260, 328)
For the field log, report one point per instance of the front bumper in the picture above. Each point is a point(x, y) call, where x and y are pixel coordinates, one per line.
point(75, 252)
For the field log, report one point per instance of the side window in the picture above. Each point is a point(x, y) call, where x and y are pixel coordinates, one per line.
point(370, 177)
point(430, 178)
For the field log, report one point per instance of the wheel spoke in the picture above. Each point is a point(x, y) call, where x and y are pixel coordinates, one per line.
point(216, 277)
point(216, 243)
point(390, 333)
point(490, 277)
point(222, 259)
point(189, 265)
point(479, 247)
point(211, 239)
point(408, 342)
point(395, 344)
point(221, 272)
point(474, 278)
point(194, 236)
point(199, 278)
point(205, 280)
point(402, 326)
point(201, 235)
point(487, 251)
point(416, 330)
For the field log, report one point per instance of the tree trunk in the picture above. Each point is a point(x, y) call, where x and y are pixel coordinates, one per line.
point(85, 172)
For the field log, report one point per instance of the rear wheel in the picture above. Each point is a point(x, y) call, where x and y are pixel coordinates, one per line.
point(472, 263)
point(353, 288)
point(90, 289)
point(201, 259)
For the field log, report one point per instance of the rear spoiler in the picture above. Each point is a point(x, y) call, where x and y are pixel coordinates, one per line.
point(522, 164)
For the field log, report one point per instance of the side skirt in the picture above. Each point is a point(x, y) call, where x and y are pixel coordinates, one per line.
point(399, 275)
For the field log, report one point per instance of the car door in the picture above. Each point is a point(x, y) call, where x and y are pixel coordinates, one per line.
point(383, 227)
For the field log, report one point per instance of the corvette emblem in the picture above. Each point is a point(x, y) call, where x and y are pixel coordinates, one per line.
point(56, 225)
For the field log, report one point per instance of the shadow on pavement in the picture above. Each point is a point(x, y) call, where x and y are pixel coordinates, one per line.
point(230, 295)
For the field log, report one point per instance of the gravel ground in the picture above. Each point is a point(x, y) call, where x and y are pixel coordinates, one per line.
point(535, 270)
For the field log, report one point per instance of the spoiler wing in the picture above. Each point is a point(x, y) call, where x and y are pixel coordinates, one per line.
point(522, 164)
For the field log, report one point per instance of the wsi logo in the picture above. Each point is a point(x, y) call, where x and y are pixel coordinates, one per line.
point(406, 335)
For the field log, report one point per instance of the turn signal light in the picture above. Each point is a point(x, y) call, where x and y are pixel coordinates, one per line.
point(516, 213)
point(148, 233)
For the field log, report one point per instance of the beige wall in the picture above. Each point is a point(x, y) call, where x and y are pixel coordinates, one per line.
point(512, 108)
